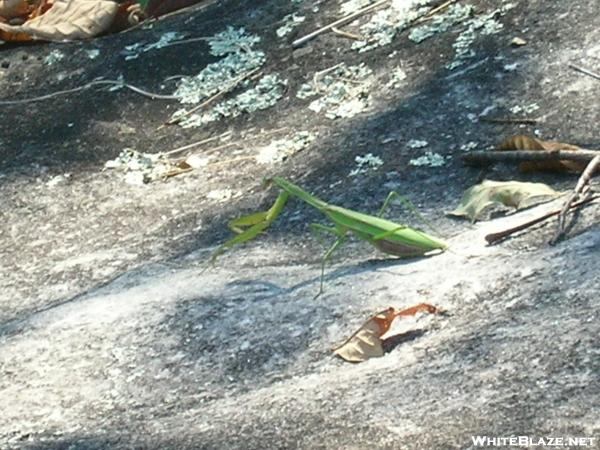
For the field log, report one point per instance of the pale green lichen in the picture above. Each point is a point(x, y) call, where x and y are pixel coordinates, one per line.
point(217, 75)
point(429, 159)
point(384, 25)
point(265, 94)
point(240, 58)
point(141, 168)
point(471, 145)
point(525, 109)
point(397, 76)
point(344, 92)
point(462, 48)
point(455, 14)
point(351, 6)
point(291, 21)
point(484, 25)
point(366, 163)
point(281, 149)
point(92, 53)
point(53, 57)
point(379, 31)
point(232, 40)
point(416, 143)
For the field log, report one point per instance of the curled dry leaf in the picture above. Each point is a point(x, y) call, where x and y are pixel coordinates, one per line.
point(520, 142)
point(65, 20)
point(477, 199)
point(366, 343)
point(177, 169)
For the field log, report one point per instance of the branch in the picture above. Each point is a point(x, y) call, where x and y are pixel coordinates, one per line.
point(584, 181)
point(343, 20)
point(514, 120)
point(585, 71)
point(486, 157)
point(117, 83)
point(494, 237)
point(304, 39)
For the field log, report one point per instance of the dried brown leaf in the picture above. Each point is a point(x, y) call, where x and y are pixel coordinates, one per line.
point(366, 342)
point(66, 20)
point(521, 142)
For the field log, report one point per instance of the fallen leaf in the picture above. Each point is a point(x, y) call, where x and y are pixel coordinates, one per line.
point(178, 169)
point(366, 343)
point(528, 143)
point(515, 194)
point(65, 20)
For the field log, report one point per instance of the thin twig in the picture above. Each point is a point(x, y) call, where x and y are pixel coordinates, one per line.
point(494, 237)
point(195, 144)
point(175, 77)
point(343, 20)
point(346, 34)
point(484, 157)
point(229, 161)
point(321, 73)
point(509, 120)
point(253, 138)
point(186, 41)
point(211, 99)
point(584, 181)
point(470, 67)
point(87, 86)
point(435, 10)
point(151, 95)
point(268, 133)
point(585, 71)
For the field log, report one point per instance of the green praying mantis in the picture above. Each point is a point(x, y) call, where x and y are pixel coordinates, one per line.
point(387, 236)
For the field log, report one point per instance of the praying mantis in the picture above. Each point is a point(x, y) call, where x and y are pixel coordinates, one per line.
point(387, 236)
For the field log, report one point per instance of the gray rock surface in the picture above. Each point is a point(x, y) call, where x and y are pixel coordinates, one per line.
point(239, 358)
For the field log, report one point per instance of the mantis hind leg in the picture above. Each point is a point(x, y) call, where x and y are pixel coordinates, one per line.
point(341, 238)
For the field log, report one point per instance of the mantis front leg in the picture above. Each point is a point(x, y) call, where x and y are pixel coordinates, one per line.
point(248, 227)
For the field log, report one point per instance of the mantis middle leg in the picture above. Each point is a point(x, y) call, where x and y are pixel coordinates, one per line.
point(408, 204)
point(341, 238)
